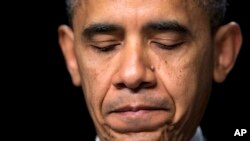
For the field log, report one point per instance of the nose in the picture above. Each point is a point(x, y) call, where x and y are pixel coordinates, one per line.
point(135, 71)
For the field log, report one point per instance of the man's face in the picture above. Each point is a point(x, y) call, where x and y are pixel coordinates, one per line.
point(145, 67)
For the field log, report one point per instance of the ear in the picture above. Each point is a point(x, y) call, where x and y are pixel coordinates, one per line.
point(228, 40)
point(66, 41)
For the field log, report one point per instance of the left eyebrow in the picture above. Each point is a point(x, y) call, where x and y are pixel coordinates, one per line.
point(100, 28)
point(167, 26)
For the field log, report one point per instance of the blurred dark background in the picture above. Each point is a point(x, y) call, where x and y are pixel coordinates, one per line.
point(48, 106)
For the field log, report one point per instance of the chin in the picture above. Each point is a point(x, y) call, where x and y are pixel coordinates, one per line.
point(158, 135)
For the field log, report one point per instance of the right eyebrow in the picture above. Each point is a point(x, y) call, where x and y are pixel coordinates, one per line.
point(100, 28)
point(167, 26)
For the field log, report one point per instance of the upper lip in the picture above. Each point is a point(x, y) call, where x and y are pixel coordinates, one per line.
point(130, 108)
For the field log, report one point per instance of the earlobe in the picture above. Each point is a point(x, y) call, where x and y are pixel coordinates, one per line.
point(228, 40)
point(66, 41)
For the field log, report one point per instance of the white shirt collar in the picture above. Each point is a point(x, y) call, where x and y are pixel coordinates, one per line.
point(198, 136)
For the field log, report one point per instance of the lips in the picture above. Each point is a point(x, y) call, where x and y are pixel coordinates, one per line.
point(138, 118)
point(129, 108)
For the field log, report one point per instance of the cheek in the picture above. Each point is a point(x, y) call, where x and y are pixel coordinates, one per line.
point(93, 83)
point(96, 81)
point(186, 81)
point(180, 82)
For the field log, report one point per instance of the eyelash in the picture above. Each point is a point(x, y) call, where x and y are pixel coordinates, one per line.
point(168, 47)
point(105, 48)
point(160, 45)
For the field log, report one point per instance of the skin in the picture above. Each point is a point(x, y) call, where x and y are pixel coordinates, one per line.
point(141, 81)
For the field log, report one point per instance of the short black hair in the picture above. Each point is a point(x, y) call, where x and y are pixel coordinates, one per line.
point(216, 10)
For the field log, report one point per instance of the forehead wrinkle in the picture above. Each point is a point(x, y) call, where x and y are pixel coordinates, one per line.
point(134, 16)
point(133, 13)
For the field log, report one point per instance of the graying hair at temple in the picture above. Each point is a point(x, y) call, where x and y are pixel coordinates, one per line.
point(216, 9)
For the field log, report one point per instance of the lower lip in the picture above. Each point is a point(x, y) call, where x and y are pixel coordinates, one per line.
point(137, 121)
point(136, 114)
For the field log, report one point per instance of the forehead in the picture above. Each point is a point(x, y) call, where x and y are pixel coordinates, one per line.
point(133, 2)
point(116, 11)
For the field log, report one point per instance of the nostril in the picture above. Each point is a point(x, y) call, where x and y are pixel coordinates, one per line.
point(120, 86)
point(147, 84)
point(135, 88)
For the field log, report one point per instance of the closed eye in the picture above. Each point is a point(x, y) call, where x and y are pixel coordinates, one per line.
point(169, 46)
point(106, 48)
